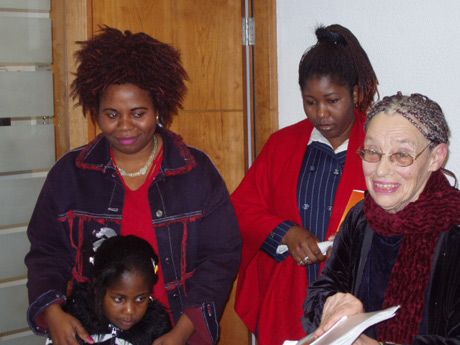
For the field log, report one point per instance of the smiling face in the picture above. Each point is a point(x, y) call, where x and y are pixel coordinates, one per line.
point(127, 118)
point(126, 301)
point(391, 186)
point(329, 106)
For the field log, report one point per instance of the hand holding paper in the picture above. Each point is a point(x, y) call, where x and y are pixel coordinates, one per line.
point(323, 246)
point(336, 306)
point(347, 329)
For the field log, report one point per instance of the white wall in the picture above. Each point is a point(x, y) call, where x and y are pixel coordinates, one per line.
point(413, 45)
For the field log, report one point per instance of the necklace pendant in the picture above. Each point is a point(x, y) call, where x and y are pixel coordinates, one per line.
point(142, 171)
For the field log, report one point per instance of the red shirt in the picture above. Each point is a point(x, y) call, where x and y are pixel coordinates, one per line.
point(137, 221)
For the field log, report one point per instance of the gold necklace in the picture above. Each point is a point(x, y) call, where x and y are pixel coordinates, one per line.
point(142, 171)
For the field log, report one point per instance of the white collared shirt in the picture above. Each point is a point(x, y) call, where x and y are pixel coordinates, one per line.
point(317, 136)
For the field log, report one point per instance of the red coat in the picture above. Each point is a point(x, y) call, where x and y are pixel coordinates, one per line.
point(270, 295)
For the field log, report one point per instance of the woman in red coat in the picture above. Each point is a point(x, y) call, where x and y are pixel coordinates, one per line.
point(296, 191)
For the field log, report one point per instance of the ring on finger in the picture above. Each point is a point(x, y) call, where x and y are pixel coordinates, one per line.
point(306, 260)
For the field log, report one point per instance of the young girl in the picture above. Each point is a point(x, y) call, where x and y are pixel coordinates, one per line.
point(117, 306)
point(297, 189)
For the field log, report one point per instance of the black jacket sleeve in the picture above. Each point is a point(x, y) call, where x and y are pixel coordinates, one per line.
point(340, 271)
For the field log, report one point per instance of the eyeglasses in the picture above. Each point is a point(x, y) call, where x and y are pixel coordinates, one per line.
point(401, 159)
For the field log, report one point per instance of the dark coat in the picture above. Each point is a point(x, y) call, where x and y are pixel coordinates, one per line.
point(196, 228)
point(344, 270)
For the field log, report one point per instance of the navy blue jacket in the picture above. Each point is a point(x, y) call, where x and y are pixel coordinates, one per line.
point(197, 231)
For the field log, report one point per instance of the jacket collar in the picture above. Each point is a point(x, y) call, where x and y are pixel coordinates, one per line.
point(178, 158)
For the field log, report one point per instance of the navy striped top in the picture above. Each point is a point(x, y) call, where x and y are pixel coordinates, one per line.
point(319, 178)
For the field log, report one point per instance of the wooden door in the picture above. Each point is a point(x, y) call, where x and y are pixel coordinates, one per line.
point(208, 35)
point(213, 114)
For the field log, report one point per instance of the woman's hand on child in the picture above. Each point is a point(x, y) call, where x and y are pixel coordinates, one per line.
point(179, 335)
point(64, 328)
point(170, 338)
point(303, 246)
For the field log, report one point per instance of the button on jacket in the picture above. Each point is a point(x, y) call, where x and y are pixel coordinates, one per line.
point(196, 229)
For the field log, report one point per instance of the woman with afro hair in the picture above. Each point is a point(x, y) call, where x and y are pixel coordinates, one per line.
point(135, 178)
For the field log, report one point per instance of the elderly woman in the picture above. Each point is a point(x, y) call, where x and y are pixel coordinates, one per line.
point(400, 246)
point(135, 178)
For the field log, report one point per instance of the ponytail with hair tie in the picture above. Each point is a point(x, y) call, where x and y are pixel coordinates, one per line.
point(325, 36)
point(339, 55)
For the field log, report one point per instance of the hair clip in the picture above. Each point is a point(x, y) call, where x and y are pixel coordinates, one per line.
point(102, 234)
point(155, 266)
